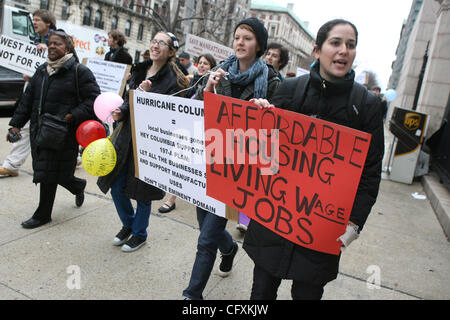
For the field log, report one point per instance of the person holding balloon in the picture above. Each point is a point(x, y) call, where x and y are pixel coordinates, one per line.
point(160, 75)
point(64, 88)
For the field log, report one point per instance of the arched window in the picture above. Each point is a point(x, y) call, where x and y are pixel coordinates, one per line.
point(98, 20)
point(87, 16)
point(114, 22)
point(128, 28)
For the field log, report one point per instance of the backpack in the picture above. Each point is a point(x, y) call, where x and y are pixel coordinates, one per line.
point(358, 97)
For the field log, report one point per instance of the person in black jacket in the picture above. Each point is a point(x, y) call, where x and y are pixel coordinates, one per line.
point(53, 88)
point(44, 23)
point(159, 74)
point(117, 52)
point(243, 75)
point(326, 97)
point(206, 62)
point(384, 106)
point(277, 56)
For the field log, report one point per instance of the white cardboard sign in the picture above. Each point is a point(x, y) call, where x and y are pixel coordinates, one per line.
point(110, 76)
point(169, 147)
point(20, 56)
point(197, 46)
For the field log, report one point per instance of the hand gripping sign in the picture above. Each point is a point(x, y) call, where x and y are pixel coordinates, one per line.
point(294, 174)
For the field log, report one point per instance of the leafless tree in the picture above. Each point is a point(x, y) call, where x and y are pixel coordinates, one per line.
point(166, 17)
point(212, 21)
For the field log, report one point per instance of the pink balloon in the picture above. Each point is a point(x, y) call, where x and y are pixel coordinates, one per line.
point(104, 105)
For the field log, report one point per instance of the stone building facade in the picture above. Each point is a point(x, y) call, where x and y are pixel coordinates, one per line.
point(287, 29)
point(425, 57)
point(211, 19)
point(219, 18)
point(126, 16)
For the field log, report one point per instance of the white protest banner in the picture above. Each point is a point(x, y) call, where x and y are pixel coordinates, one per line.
point(301, 71)
point(88, 42)
point(20, 56)
point(197, 46)
point(110, 76)
point(362, 78)
point(169, 147)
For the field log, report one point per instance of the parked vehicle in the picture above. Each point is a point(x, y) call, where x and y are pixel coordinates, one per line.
point(16, 22)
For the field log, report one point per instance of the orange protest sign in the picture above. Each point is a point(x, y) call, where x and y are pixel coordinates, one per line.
point(294, 174)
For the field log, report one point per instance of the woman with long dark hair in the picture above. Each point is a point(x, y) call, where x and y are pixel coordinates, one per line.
point(159, 74)
point(327, 94)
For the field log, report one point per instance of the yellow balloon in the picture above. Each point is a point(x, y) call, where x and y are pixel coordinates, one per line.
point(99, 158)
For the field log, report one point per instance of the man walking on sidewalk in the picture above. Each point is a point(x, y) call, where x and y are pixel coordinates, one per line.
point(44, 23)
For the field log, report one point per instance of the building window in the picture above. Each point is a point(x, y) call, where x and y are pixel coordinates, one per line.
point(98, 20)
point(114, 22)
point(44, 4)
point(137, 56)
point(87, 16)
point(128, 28)
point(272, 31)
point(65, 10)
point(165, 9)
point(140, 34)
point(145, 6)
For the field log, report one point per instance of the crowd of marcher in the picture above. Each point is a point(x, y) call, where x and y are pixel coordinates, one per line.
point(64, 88)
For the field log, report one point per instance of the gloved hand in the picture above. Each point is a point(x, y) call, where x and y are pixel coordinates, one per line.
point(351, 233)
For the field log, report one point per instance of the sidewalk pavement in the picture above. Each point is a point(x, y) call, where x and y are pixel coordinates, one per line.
point(403, 245)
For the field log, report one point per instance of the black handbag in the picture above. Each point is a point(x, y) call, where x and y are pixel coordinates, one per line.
point(52, 132)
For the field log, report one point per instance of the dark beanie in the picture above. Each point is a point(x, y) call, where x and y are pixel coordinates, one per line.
point(185, 55)
point(260, 32)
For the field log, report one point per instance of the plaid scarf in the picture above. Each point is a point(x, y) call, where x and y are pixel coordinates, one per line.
point(38, 39)
point(54, 65)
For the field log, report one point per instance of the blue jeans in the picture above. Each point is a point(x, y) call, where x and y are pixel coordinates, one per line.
point(213, 236)
point(137, 222)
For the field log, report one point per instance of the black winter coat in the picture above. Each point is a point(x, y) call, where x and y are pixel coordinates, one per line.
point(194, 85)
point(59, 97)
point(121, 56)
point(164, 82)
point(328, 101)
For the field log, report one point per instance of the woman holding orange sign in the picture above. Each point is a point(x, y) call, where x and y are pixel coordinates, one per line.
point(326, 93)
